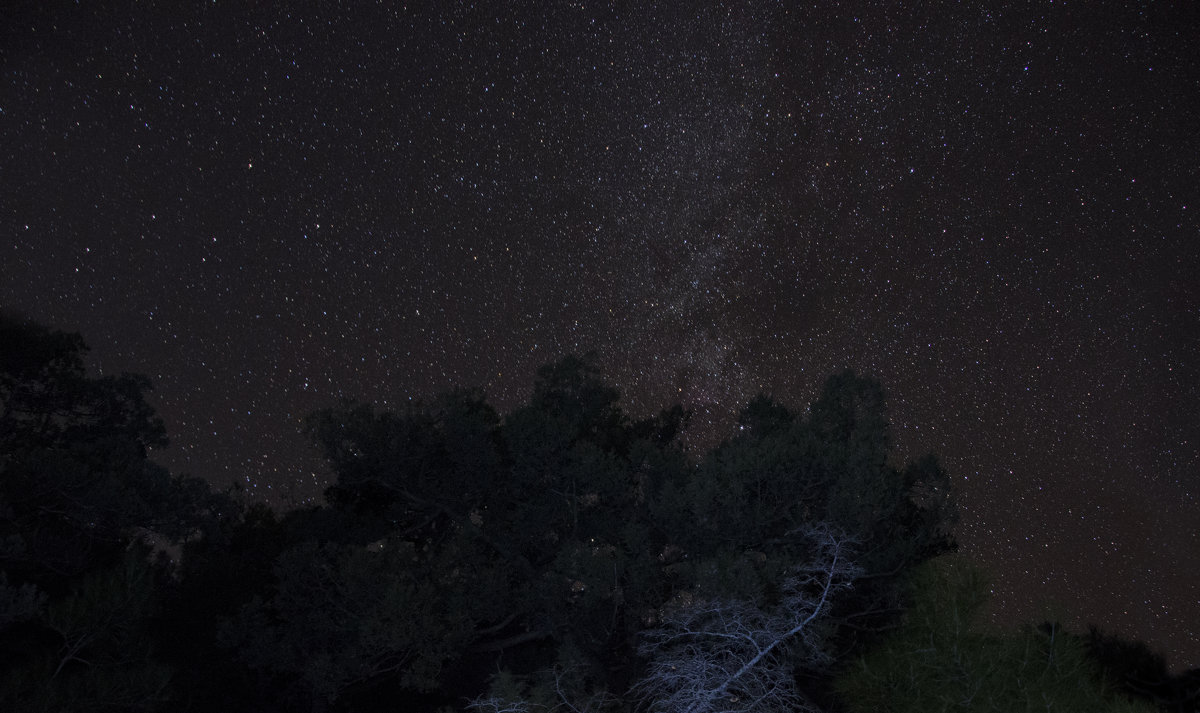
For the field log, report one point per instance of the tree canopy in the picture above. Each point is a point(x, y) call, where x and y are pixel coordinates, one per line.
point(564, 531)
point(562, 555)
point(80, 503)
point(944, 658)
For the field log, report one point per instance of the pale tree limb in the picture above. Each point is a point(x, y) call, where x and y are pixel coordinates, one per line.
point(729, 656)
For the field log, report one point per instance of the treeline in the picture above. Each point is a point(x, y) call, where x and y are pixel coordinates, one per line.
point(560, 557)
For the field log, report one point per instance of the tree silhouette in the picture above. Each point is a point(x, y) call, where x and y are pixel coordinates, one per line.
point(563, 538)
point(79, 500)
point(563, 530)
point(574, 557)
point(1135, 669)
point(942, 658)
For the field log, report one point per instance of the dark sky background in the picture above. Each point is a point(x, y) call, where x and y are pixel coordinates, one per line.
point(994, 212)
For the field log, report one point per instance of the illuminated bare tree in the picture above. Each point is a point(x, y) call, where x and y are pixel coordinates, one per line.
point(733, 656)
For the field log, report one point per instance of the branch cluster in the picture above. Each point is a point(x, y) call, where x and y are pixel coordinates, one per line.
point(733, 655)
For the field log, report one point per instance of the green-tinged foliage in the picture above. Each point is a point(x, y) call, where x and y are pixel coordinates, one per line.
point(944, 659)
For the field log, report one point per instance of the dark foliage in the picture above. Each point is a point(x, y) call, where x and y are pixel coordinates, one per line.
point(1136, 670)
point(523, 561)
point(81, 509)
point(945, 658)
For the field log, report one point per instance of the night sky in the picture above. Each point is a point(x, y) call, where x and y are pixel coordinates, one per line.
point(993, 212)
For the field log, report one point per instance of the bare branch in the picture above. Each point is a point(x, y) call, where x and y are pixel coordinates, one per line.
point(729, 656)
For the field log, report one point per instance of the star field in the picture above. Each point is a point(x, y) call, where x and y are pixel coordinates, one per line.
point(993, 212)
